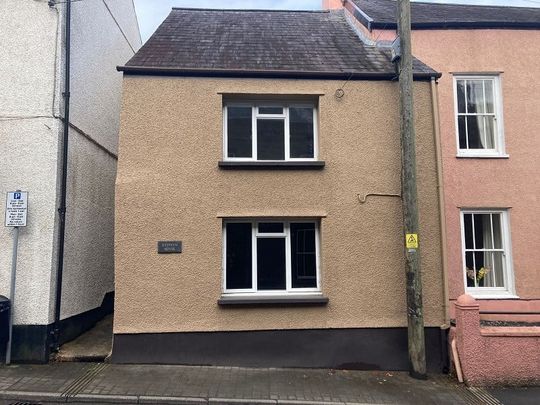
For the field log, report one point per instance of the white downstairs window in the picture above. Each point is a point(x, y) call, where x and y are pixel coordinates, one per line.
point(479, 123)
point(271, 257)
point(486, 253)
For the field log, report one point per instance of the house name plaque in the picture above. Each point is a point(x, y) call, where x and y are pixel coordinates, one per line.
point(173, 246)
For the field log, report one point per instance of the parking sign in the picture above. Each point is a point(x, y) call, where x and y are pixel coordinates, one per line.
point(16, 208)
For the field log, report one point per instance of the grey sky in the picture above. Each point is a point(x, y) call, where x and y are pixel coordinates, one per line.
point(152, 12)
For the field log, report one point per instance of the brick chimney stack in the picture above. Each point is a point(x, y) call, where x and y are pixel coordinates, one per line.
point(332, 4)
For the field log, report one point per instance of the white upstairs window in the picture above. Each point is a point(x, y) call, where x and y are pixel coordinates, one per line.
point(269, 131)
point(479, 123)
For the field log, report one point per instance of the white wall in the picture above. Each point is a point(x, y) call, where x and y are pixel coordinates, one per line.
point(98, 46)
point(31, 77)
point(88, 265)
point(29, 30)
point(28, 148)
point(102, 38)
point(28, 151)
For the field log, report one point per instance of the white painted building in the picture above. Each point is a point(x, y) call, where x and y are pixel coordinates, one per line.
point(104, 34)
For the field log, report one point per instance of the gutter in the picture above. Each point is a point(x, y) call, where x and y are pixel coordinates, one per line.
point(63, 182)
point(280, 74)
point(459, 25)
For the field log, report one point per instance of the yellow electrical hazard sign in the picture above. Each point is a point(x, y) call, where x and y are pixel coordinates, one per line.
point(411, 241)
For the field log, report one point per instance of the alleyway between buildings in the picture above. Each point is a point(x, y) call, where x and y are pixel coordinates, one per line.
point(100, 383)
point(94, 345)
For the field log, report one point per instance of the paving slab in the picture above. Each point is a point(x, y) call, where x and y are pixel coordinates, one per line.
point(102, 383)
point(93, 345)
point(516, 395)
point(51, 378)
point(143, 399)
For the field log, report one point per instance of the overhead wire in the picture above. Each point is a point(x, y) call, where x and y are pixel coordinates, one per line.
point(53, 2)
point(23, 117)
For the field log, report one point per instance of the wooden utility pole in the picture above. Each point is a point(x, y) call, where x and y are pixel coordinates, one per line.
point(415, 316)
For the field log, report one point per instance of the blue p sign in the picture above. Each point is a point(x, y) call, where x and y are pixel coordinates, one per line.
point(17, 196)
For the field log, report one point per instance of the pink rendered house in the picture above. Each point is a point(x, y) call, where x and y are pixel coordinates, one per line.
point(489, 136)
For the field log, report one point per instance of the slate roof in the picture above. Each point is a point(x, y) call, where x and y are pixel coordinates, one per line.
point(255, 43)
point(382, 14)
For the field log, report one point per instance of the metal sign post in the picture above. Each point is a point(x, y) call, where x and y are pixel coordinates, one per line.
point(16, 213)
point(12, 290)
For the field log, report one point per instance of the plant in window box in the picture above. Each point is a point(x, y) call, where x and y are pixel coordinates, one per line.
point(478, 276)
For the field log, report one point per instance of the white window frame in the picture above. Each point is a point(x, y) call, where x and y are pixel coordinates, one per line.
point(288, 264)
point(508, 291)
point(500, 149)
point(255, 105)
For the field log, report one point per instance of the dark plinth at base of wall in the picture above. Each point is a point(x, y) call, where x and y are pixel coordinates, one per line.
point(354, 349)
point(32, 343)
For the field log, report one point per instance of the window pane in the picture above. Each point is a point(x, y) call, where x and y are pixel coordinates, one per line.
point(462, 132)
point(303, 256)
point(270, 110)
point(475, 128)
point(467, 224)
point(270, 227)
point(489, 135)
point(486, 276)
point(497, 231)
point(301, 132)
point(497, 268)
point(486, 231)
point(479, 261)
point(490, 96)
point(469, 268)
point(461, 95)
point(475, 96)
point(483, 269)
point(482, 231)
point(239, 131)
point(270, 139)
point(238, 262)
point(271, 264)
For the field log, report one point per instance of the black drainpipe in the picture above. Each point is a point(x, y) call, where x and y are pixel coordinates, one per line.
point(63, 184)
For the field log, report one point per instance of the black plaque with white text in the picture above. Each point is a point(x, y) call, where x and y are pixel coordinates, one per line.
point(174, 246)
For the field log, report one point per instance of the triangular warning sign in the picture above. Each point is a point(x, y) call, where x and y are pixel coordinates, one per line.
point(411, 241)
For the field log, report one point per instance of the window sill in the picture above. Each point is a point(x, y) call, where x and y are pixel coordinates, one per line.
point(277, 300)
point(493, 296)
point(473, 156)
point(264, 165)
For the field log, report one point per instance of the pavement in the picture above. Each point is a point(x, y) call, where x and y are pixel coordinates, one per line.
point(104, 383)
point(516, 395)
point(94, 345)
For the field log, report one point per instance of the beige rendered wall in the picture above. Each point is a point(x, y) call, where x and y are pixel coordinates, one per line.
point(169, 187)
point(499, 183)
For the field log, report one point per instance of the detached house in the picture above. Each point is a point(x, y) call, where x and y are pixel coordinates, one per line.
point(258, 218)
point(489, 121)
